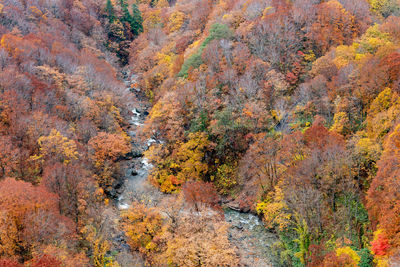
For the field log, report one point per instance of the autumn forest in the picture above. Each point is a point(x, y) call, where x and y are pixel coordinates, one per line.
point(199, 133)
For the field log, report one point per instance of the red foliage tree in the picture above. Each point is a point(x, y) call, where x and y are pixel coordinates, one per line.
point(29, 215)
point(199, 193)
point(9, 263)
point(45, 261)
point(380, 245)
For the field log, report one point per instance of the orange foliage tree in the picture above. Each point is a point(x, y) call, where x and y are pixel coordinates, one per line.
point(334, 26)
point(8, 157)
point(29, 217)
point(106, 149)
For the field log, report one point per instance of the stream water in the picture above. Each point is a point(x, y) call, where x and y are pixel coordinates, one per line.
point(247, 233)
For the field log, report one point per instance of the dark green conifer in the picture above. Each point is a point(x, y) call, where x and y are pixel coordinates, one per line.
point(110, 11)
point(137, 20)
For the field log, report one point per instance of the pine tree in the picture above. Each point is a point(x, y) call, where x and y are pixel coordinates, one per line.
point(126, 16)
point(137, 20)
point(110, 11)
point(122, 3)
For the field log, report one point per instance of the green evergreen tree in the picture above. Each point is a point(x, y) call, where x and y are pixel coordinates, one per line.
point(137, 20)
point(126, 16)
point(123, 4)
point(110, 11)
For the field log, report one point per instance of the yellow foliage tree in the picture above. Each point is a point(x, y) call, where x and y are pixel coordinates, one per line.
point(385, 7)
point(226, 177)
point(37, 14)
point(162, 4)
point(176, 21)
point(371, 41)
point(351, 253)
point(99, 246)
point(8, 235)
point(183, 164)
point(383, 114)
point(190, 157)
point(343, 55)
point(274, 210)
point(151, 18)
point(143, 226)
point(58, 146)
point(166, 118)
point(341, 123)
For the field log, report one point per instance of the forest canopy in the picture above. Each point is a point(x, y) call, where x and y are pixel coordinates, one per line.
point(286, 109)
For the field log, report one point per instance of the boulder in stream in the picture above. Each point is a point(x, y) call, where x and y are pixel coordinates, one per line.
point(137, 154)
point(233, 206)
point(127, 156)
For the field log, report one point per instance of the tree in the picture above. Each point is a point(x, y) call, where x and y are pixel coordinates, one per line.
point(382, 114)
point(334, 26)
point(190, 156)
point(110, 11)
point(230, 131)
point(68, 182)
point(98, 245)
point(355, 258)
point(105, 150)
point(8, 157)
point(184, 163)
point(199, 241)
point(116, 32)
point(225, 178)
point(341, 123)
point(198, 193)
point(303, 240)
point(327, 164)
point(137, 20)
point(217, 31)
point(275, 210)
point(261, 162)
point(143, 226)
point(126, 16)
point(29, 216)
point(380, 243)
point(166, 118)
point(45, 261)
point(385, 7)
point(9, 263)
point(176, 20)
point(57, 146)
point(108, 146)
point(332, 260)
